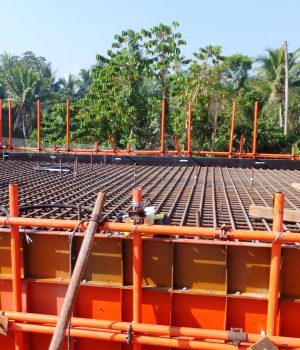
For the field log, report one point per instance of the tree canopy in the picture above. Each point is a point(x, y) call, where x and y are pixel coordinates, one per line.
point(120, 96)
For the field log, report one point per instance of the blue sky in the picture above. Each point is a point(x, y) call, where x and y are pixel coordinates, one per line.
point(70, 33)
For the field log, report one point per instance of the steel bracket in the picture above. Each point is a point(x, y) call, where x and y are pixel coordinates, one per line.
point(3, 324)
point(236, 336)
point(263, 344)
point(129, 334)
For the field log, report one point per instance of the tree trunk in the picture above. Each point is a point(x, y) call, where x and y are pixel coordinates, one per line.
point(280, 116)
point(286, 87)
point(24, 125)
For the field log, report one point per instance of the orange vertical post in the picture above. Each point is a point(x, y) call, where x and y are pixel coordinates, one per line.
point(189, 128)
point(232, 129)
point(16, 260)
point(38, 108)
point(0, 122)
point(163, 121)
point(272, 315)
point(68, 126)
point(292, 152)
point(137, 268)
point(255, 128)
point(10, 124)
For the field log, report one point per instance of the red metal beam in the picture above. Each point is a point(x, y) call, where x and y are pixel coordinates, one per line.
point(163, 122)
point(255, 128)
point(10, 124)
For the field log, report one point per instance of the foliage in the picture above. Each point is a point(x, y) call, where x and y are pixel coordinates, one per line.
point(121, 95)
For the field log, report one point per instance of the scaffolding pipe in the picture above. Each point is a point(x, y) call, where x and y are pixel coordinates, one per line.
point(264, 236)
point(16, 260)
point(10, 124)
point(255, 128)
point(232, 129)
point(189, 128)
point(68, 126)
point(122, 338)
point(272, 315)
point(38, 108)
point(77, 274)
point(143, 328)
point(137, 265)
point(163, 121)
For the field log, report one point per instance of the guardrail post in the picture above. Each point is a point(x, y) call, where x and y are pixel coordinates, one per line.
point(16, 261)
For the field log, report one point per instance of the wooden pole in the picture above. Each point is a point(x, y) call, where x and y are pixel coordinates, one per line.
point(272, 315)
point(76, 278)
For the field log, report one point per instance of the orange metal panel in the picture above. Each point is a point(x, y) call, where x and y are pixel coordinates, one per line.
point(44, 297)
point(201, 267)
point(248, 270)
point(156, 306)
point(47, 257)
point(290, 268)
point(42, 342)
point(157, 263)
point(90, 344)
point(198, 311)
point(249, 314)
point(290, 318)
point(99, 302)
point(105, 262)
point(5, 256)
point(6, 295)
point(8, 342)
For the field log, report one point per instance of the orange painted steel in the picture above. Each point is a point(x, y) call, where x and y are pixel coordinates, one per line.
point(0, 123)
point(255, 128)
point(16, 260)
point(275, 265)
point(189, 128)
point(232, 129)
point(137, 266)
point(143, 328)
point(264, 236)
point(10, 124)
point(163, 122)
point(293, 152)
point(38, 107)
point(68, 126)
point(122, 338)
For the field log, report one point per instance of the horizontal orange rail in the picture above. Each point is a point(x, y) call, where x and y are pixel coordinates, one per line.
point(265, 236)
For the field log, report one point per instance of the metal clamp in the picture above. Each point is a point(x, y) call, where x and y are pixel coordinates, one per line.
point(223, 234)
point(236, 335)
point(3, 324)
point(129, 334)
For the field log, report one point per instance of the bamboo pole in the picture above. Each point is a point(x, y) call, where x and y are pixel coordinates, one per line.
point(10, 124)
point(189, 129)
point(255, 128)
point(163, 122)
point(76, 278)
point(272, 315)
point(68, 126)
point(38, 108)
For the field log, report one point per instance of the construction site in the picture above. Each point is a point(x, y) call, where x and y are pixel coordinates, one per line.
point(148, 249)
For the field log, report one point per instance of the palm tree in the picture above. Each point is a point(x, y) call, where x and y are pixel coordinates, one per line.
point(24, 84)
point(85, 81)
point(272, 73)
